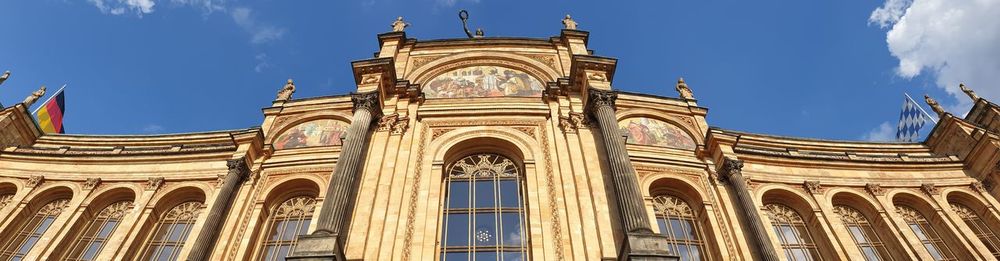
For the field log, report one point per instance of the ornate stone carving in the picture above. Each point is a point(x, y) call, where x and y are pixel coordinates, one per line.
point(874, 189)
point(5, 199)
point(400, 126)
point(548, 60)
point(28, 101)
point(963, 212)
point(908, 214)
point(568, 23)
point(550, 183)
point(597, 98)
point(574, 121)
point(730, 167)
point(671, 206)
point(91, 183)
point(438, 132)
point(813, 187)
point(782, 213)
point(683, 90)
point(412, 205)
point(394, 123)
point(54, 208)
point(236, 167)
point(849, 215)
point(116, 210)
point(399, 25)
point(935, 106)
point(978, 187)
point(484, 165)
point(34, 181)
point(930, 189)
point(530, 131)
point(185, 211)
point(286, 92)
point(368, 101)
point(154, 183)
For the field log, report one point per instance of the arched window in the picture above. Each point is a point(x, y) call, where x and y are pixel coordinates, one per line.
point(926, 233)
point(171, 231)
point(863, 233)
point(677, 222)
point(32, 230)
point(288, 221)
point(484, 211)
point(793, 234)
point(983, 231)
point(90, 242)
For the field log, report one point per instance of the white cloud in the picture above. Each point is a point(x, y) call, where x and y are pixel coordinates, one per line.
point(152, 128)
point(206, 6)
point(884, 132)
point(261, 62)
point(260, 33)
point(119, 7)
point(952, 40)
point(449, 3)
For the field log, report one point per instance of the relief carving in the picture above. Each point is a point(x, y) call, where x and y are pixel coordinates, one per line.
point(34, 181)
point(978, 187)
point(154, 183)
point(875, 189)
point(930, 189)
point(91, 183)
point(813, 187)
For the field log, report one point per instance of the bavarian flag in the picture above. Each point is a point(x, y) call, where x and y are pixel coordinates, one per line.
point(50, 114)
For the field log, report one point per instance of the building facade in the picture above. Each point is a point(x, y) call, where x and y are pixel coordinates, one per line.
point(496, 149)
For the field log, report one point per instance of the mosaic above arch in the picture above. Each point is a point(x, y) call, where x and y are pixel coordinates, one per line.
point(315, 133)
point(653, 132)
point(483, 81)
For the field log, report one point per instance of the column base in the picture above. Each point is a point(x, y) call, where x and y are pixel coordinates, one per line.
point(317, 247)
point(645, 247)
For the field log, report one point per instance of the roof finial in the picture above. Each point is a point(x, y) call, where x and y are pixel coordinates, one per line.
point(3, 78)
point(568, 23)
point(399, 25)
point(28, 101)
point(968, 91)
point(683, 90)
point(285, 93)
point(464, 15)
point(935, 105)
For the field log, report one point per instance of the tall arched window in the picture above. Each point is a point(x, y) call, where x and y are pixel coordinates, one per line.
point(171, 232)
point(677, 221)
point(288, 221)
point(793, 234)
point(863, 233)
point(926, 233)
point(484, 211)
point(32, 230)
point(982, 231)
point(92, 238)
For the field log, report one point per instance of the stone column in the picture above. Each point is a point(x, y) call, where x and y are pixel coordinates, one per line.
point(327, 243)
point(202, 247)
point(732, 171)
point(640, 242)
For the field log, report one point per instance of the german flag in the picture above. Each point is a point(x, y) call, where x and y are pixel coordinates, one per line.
point(50, 115)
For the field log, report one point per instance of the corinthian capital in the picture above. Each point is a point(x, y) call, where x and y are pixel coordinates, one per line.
point(238, 167)
point(731, 166)
point(366, 101)
point(597, 98)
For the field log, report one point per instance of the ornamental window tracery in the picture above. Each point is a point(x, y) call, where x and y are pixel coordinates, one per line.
point(172, 231)
point(94, 236)
point(679, 224)
point(982, 231)
point(286, 223)
point(31, 230)
point(863, 233)
point(484, 210)
point(926, 233)
point(793, 234)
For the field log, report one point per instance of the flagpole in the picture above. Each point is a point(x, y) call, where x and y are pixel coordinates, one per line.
point(920, 108)
point(49, 99)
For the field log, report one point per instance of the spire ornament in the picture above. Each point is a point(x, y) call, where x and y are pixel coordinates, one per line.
point(968, 91)
point(399, 25)
point(285, 93)
point(935, 105)
point(683, 90)
point(568, 23)
point(28, 101)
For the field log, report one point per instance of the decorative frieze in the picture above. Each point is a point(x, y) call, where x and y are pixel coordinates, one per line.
point(393, 123)
point(813, 187)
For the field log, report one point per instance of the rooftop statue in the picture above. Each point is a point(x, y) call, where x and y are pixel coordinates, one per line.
point(464, 15)
point(4, 77)
point(934, 105)
point(683, 90)
point(968, 91)
point(28, 101)
point(568, 23)
point(399, 25)
point(285, 93)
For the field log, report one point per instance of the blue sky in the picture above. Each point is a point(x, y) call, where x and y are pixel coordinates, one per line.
point(821, 69)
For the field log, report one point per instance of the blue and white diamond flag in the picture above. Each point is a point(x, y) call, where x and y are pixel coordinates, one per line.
point(911, 119)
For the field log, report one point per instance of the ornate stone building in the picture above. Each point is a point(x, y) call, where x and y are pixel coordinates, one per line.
point(498, 149)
